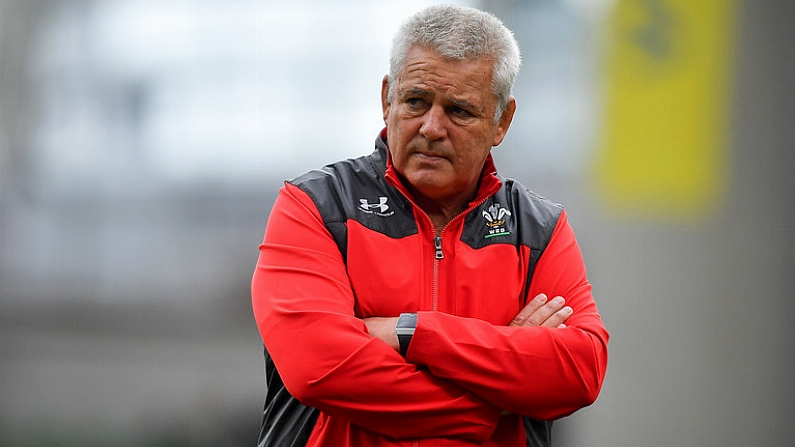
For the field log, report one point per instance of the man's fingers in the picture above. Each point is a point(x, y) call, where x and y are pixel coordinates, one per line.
point(558, 318)
point(524, 317)
point(542, 312)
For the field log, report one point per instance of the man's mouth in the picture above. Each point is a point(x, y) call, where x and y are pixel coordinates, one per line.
point(430, 157)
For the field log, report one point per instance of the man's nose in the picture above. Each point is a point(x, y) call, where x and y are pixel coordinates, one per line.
point(434, 125)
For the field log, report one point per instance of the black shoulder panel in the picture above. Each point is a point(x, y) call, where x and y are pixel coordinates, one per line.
point(355, 189)
point(514, 215)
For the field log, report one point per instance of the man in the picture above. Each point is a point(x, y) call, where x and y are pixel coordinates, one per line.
point(403, 296)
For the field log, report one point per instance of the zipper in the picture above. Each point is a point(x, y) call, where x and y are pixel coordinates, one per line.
point(437, 244)
point(439, 253)
point(437, 259)
point(437, 240)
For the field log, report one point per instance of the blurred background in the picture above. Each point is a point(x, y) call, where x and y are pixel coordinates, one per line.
point(142, 144)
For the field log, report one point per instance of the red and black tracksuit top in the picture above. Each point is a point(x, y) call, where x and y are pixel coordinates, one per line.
point(347, 242)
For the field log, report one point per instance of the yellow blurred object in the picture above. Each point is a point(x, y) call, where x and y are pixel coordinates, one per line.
point(664, 148)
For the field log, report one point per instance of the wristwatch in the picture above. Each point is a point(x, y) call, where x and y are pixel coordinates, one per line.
point(404, 328)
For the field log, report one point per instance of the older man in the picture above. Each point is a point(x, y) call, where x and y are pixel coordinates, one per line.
point(402, 296)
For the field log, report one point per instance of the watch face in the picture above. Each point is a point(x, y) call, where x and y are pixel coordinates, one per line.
point(404, 330)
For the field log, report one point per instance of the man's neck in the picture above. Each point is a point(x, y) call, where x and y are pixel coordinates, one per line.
point(442, 212)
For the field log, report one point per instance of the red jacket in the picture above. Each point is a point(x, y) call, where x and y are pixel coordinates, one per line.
point(347, 242)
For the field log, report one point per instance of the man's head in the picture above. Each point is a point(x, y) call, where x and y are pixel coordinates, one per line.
point(460, 33)
point(446, 101)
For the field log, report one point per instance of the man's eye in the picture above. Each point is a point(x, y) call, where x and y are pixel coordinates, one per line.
point(414, 102)
point(458, 111)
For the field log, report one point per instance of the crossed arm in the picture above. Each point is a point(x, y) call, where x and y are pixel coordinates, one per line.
point(540, 311)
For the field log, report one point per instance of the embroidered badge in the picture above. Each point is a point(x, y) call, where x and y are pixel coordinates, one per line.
point(495, 221)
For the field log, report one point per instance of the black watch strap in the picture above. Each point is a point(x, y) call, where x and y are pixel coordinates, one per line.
point(404, 328)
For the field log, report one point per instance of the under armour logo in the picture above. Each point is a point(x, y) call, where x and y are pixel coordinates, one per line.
point(381, 206)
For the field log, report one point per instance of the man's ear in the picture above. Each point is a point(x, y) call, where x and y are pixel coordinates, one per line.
point(385, 97)
point(504, 123)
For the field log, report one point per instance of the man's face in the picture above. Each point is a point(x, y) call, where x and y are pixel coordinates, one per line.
point(441, 124)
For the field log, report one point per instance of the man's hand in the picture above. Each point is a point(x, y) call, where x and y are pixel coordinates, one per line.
point(383, 328)
point(543, 312)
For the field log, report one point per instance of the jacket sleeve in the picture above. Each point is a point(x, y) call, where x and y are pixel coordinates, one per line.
point(304, 308)
point(543, 373)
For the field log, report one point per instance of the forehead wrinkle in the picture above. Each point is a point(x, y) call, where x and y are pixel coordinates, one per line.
point(416, 91)
point(420, 79)
point(451, 97)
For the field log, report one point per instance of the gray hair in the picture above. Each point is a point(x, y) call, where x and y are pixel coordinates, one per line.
point(460, 33)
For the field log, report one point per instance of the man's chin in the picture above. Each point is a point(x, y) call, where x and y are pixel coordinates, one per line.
point(429, 184)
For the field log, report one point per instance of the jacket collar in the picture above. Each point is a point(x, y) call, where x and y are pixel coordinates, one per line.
point(489, 181)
